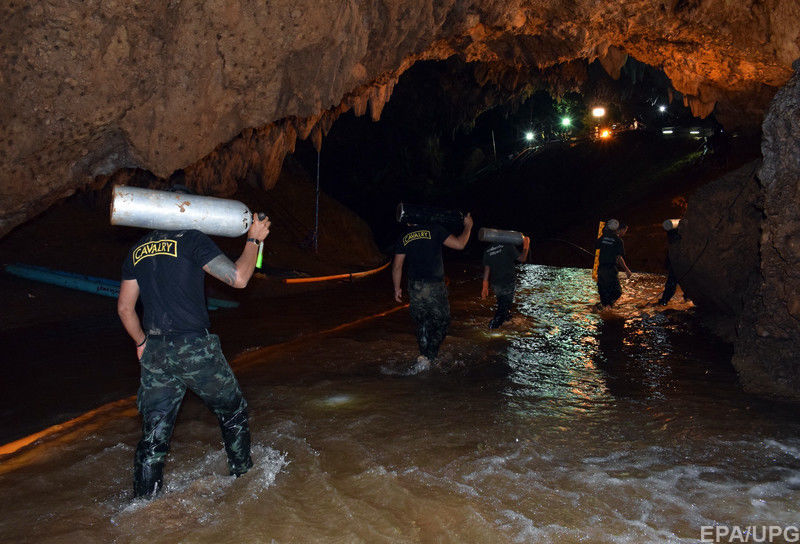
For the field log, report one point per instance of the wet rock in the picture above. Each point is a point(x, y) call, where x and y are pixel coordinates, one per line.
point(716, 259)
point(768, 343)
point(175, 82)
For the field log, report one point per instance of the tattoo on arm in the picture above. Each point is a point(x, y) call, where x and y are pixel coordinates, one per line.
point(222, 268)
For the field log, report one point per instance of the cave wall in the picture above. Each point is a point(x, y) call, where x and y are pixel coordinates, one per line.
point(717, 257)
point(739, 256)
point(767, 350)
point(92, 87)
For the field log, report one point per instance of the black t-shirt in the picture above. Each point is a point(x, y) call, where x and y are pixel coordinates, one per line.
point(610, 246)
point(422, 246)
point(168, 266)
point(501, 259)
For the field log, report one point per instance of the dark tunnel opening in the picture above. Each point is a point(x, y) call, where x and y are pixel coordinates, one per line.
point(529, 156)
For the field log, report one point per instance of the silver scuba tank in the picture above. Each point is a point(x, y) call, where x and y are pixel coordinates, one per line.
point(165, 210)
point(500, 236)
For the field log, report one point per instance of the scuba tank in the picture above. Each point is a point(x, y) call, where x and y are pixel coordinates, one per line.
point(166, 210)
point(501, 236)
point(423, 215)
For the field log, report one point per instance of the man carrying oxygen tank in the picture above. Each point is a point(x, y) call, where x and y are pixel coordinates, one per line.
point(167, 269)
point(498, 266)
point(420, 248)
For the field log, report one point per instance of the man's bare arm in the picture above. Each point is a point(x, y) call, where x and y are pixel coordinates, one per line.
point(460, 241)
point(526, 245)
point(126, 308)
point(397, 275)
point(222, 268)
point(239, 273)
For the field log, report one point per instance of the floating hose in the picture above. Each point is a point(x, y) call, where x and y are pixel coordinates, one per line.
point(349, 276)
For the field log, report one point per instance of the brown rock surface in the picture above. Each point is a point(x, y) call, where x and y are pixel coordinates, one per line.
point(92, 87)
point(716, 259)
point(739, 256)
point(768, 348)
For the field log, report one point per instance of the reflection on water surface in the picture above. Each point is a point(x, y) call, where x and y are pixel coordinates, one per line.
point(568, 426)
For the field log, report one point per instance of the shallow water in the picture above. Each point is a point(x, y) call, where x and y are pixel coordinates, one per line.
point(567, 426)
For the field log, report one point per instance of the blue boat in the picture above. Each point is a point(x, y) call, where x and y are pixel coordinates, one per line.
point(90, 284)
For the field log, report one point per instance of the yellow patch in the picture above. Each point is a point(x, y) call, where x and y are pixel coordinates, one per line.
point(416, 235)
point(155, 247)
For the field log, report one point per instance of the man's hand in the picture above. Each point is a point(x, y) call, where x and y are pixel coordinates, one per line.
point(526, 242)
point(259, 229)
point(398, 295)
point(485, 289)
point(140, 350)
point(468, 221)
point(628, 274)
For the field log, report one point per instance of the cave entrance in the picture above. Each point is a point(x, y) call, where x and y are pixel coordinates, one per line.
point(548, 154)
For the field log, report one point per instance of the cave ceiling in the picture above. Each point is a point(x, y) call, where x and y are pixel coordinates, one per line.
point(223, 87)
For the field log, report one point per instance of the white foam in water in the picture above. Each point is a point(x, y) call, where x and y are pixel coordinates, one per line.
point(203, 482)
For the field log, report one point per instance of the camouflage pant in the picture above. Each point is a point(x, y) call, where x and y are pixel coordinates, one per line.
point(430, 310)
point(505, 299)
point(608, 284)
point(168, 368)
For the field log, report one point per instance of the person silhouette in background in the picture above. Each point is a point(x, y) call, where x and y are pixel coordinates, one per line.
point(671, 284)
point(612, 256)
point(498, 267)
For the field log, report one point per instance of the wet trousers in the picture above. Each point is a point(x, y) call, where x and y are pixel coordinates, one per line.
point(669, 286)
point(608, 284)
point(168, 367)
point(430, 310)
point(505, 299)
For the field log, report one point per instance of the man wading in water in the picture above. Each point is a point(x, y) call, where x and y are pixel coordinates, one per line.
point(167, 268)
point(421, 247)
point(499, 261)
point(612, 254)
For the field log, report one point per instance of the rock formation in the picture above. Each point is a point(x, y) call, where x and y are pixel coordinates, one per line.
point(223, 89)
point(739, 257)
point(767, 350)
point(717, 259)
point(93, 87)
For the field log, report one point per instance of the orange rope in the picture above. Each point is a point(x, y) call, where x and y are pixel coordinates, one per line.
point(351, 276)
point(242, 360)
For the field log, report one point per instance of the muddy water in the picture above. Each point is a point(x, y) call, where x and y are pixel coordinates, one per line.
point(569, 426)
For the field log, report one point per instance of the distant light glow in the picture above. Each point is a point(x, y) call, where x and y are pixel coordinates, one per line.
point(598, 112)
point(566, 121)
point(529, 136)
point(605, 133)
point(666, 131)
point(662, 108)
point(694, 131)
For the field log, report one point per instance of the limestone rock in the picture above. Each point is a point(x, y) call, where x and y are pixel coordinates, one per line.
point(767, 352)
point(716, 259)
point(90, 87)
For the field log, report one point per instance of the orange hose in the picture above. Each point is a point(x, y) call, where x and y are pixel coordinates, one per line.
point(349, 276)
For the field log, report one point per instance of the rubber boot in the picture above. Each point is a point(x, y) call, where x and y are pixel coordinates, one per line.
point(148, 480)
point(236, 436)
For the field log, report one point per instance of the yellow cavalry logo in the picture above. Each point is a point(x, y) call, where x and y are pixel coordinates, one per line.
point(416, 235)
point(155, 247)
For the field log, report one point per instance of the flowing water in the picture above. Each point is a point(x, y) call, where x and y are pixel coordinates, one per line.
point(567, 426)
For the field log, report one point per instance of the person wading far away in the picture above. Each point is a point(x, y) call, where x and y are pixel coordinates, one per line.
point(420, 248)
point(498, 264)
point(173, 345)
point(612, 255)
